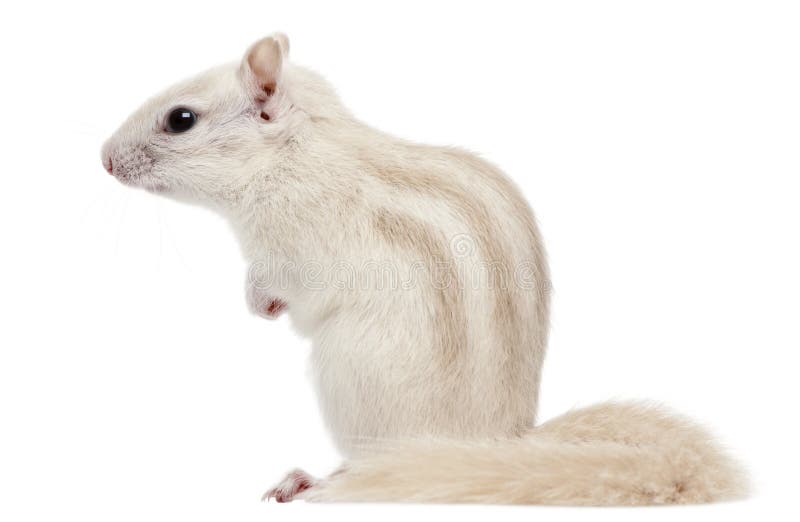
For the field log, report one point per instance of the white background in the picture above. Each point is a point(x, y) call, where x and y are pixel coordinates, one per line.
point(656, 141)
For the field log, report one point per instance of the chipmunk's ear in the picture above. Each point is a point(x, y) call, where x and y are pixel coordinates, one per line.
point(261, 66)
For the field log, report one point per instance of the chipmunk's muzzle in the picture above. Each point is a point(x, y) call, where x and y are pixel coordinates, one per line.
point(132, 165)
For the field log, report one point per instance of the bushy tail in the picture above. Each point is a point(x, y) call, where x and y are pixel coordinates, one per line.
point(608, 454)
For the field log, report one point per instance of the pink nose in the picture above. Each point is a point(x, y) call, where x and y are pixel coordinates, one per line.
point(108, 164)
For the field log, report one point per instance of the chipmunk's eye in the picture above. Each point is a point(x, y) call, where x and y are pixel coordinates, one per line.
point(181, 120)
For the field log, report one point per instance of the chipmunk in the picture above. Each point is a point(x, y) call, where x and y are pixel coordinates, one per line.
point(419, 274)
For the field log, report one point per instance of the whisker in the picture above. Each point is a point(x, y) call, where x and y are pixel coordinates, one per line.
point(123, 210)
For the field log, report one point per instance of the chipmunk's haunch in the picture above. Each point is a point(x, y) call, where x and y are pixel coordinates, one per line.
point(427, 303)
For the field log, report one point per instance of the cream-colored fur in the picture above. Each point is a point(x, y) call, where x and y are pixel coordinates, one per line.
point(609, 454)
point(419, 274)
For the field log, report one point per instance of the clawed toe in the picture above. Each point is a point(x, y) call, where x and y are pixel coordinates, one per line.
point(290, 487)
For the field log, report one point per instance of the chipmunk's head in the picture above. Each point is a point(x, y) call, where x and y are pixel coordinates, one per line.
point(206, 138)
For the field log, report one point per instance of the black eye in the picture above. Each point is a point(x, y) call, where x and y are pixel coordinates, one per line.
point(181, 120)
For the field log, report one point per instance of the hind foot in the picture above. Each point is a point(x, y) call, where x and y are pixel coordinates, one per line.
point(291, 486)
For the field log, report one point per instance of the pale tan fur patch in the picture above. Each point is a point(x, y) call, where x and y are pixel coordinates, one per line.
point(450, 321)
point(521, 340)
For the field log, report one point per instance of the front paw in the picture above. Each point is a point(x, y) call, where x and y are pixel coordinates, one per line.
point(264, 305)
